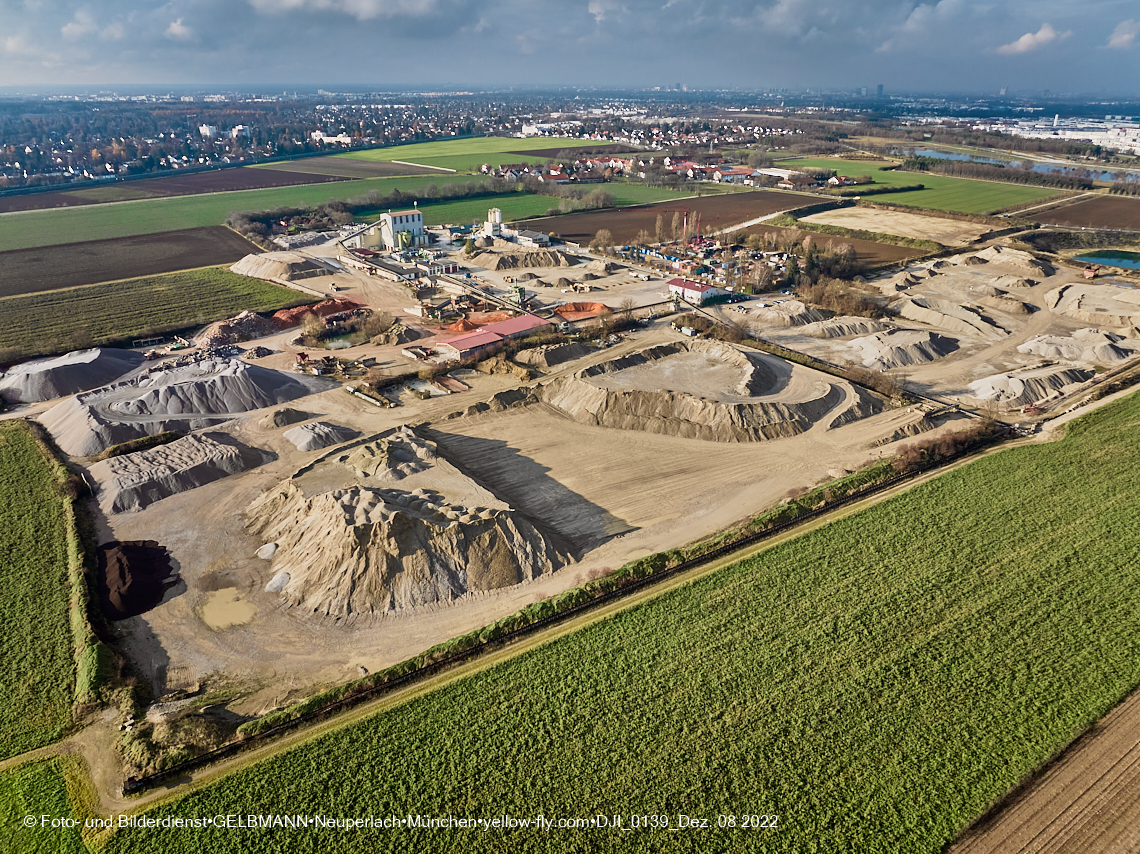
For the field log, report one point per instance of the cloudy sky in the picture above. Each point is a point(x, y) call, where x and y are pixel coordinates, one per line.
point(1090, 46)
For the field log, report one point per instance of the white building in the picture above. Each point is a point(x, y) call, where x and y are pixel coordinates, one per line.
point(208, 131)
point(694, 292)
point(240, 132)
point(493, 227)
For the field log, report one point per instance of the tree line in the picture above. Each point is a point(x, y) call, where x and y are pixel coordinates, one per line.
point(996, 172)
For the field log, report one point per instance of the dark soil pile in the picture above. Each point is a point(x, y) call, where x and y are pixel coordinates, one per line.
point(133, 577)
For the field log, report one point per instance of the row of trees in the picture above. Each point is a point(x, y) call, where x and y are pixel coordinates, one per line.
point(1024, 174)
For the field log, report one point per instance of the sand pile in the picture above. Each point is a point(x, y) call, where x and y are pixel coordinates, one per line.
point(318, 435)
point(1007, 282)
point(243, 327)
point(921, 424)
point(1002, 301)
point(791, 313)
point(572, 312)
point(363, 549)
point(897, 348)
point(590, 277)
point(182, 398)
point(287, 318)
point(285, 417)
point(47, 379)
point(392, 457)
point(553, 354)
point(1013, 259)
point(526, 277)
point(461, 327)
point(1094, 346)
point(1028, 385)
point(562, 282)
point(604, 268)
point(397, 333)
point(701, 390)
point(516, 260)
point(962, 319)
point(1104, 305)
point(278, 265)
point(133, 576)
point(843, 327)
point(134, 481)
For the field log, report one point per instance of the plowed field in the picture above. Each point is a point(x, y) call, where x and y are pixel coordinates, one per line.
point(29, 271)
point(1097, 212)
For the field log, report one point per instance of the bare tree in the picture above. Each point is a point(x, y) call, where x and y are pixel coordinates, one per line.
point(602, 240)
point(643, 238)
point(661, 236)
point(626, 306)
point(678, 224)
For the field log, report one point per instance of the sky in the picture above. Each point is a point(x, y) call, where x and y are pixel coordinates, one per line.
point(1066, 46)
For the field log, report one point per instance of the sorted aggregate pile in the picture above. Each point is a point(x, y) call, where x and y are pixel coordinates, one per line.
point(1028, 386)
point(516, 260)
point(573, 312)
point(394, 457)
point(1104, 305)
point(134, 481)
point(961, 319)
point(318, 435)
point(285, 417)
point(791, 312)
point(898, 348)
point(133, 576)
point(277, 265)
point(287, 318)
point(81, 370)
point(1094, 346)
point(243, 327)
point(843, 327)
point(183, 398)
point(550, 355)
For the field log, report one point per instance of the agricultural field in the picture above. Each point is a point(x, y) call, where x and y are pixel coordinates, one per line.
point(467, 155)
point(29, 271)
point(1096, 212)
point(31, 229)
point(869, 252)
point(221, 181)
point(876, 684)
point(37, 680)
point(56, 321)
point(717, 212)
point(342, 167)
point(37, 788)
point(939, 193)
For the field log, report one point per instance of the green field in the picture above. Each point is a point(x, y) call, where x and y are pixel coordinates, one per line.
point(940, 192)
point(467, 155)
point(48, 322)
point(37, 789)
point(37, 676)
point(877, 684)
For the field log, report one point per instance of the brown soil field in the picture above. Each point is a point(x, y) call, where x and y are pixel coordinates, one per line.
point(920, 226)
point(716, 212)
point(50, 268)
point(224, 180)
point(1088, 800)
point(1098, 212)
point(346, 167)
point(604, 148)
point(869, 252)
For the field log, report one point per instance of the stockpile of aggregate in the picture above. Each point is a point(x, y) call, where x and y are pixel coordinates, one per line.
point(791, 313)
point(133, 576)
point(59, 376)
point(285, 417)
point(277, 265)
point(243, 327)
point(318, 435)
point(843, 327)
point(516, 260)
point(289, 317)
point(898, 348)
point(1094, 346)
point(1030, 385)
point(134, 481)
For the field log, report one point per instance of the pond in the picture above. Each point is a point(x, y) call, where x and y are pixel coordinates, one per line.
point(1045, 168)
point(1112, 258)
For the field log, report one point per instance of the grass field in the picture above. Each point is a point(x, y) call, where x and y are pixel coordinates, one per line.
point(38, 789)
point(940, 192)
point(49, 322)
point(877, 684)
point(467, 155)
point(37, 676)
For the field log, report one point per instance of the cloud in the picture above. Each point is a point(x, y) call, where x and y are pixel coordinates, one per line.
point(81, 25)
point(1032, 41)
point(112, 32)
point(1124, 36)
point(19, 46)
point(362, 10)
point(178, 31)
point(600, 8)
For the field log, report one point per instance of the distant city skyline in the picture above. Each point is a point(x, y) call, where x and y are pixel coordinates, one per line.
point(961, 46)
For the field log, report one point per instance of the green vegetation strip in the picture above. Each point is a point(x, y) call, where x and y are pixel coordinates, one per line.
point(940, 192)
point(877, 684)
point(38, 789)
point(467, 155)
point(56, 321)
point(37, 679)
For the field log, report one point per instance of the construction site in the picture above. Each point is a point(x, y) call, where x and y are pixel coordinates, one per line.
point(332, 489)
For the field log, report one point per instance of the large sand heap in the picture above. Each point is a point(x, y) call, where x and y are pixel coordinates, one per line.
point(1104, 305)
point(1095, 346)
point(278, 265)
point(550, 355)
point(187, 397)
point(394, 456)
point(318, 435)
point(791, 313)
point(285, 417)
point(515, 260)
point(1028, 385)
point(47, 379)
point(574, 312)
point(962, 319)
point(133, 576)
point(363, 549)
point(703, 390)
point(244, 327)
point(605, 268)
point(1012, 259)
point(897, 348)
point(134, 481)
point(289, 317)
point(843, 327)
